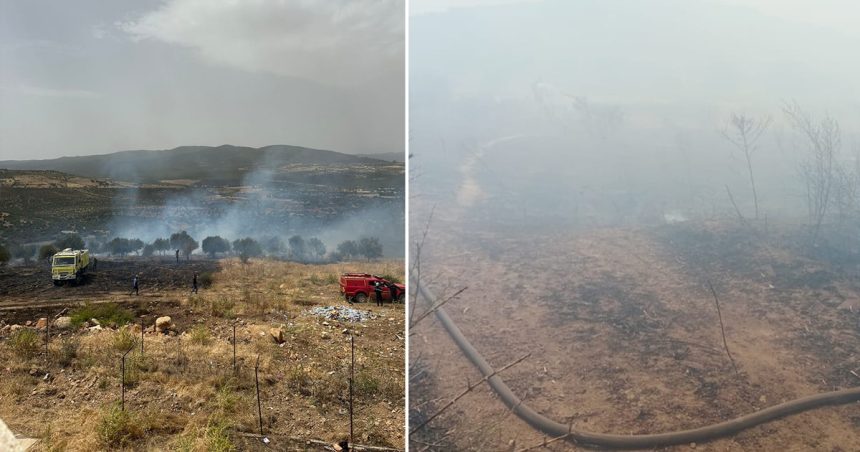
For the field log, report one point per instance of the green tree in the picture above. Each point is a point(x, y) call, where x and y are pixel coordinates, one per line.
point(119, 246)
point(370, 247)
point(135, 245)
point(215, 244)
point(148, 250)
point(73, 241)
point(161, 245)
point(273, 245)
point(247, 248)
point(297, 247)
point(26, 252)
point(47, 251)
point(184, 242)
point(316, 248)
point(347, 250)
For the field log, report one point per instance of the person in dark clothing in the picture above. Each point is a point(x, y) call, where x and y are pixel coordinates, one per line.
point(134, 286)
point(392, 288)
point(177, 256)
point(378, 290)
point(194, 283)
point(95, 264)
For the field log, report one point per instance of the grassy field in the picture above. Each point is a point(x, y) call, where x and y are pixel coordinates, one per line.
point(183, 393)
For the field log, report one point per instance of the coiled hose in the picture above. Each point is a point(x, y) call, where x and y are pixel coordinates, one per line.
point(701, 434)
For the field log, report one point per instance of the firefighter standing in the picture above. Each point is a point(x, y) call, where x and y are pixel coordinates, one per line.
point(95, 263)
point(177, 256)
point(393, 289)
point(378, 291)
point(134, 286)
point(194, 283)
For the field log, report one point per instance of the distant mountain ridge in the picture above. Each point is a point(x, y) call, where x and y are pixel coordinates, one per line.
point(221, 163)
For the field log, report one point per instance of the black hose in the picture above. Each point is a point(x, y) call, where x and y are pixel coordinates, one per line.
point(701, 434)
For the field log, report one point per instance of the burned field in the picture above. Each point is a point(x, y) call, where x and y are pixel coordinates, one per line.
point(24, 286)
point(182, 391)
point(623, 335)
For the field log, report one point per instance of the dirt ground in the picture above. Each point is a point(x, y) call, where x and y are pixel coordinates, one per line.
point(184, 393)
point(624, 337)
point(29, 285)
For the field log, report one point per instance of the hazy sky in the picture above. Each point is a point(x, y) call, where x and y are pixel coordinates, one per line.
point(91, 76)
point(662, 56)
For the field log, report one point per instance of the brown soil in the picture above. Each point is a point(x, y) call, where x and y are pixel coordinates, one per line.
point(624, 336)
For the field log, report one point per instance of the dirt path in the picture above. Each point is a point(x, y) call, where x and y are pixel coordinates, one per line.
point(624, 338)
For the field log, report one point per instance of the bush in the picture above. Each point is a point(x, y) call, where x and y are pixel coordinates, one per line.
point(108, 314)
point(25, 343)
point(124, 339)
point(68, 352)
point(4, 255)
point(212, 438)
point(46, 252)
point(199, 335)
point(206, 279)
point(366, 384)
point(118, 428)
point(221, 307)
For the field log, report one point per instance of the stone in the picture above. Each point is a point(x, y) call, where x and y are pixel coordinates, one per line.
point(28, 323)
point(277, 335)
point(163, 324)
point(95, 322)
point(14, 328)
point(325, 335)
point(42, 323)
point(63, 323)
point(95, 328)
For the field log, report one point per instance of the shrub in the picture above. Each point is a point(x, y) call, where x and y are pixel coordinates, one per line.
point(25, 343)
point(4, 255)
point(212, 438)
point(118, 428)
point(46, 252)
point(206, 279)
point(200, 335)
point(109, 314)
point(68, 351)
point(221, 307)
point(366, 384)
point(123, 340)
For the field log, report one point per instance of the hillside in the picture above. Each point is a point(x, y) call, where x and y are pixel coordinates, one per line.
point(222, 164)
point(49, 179)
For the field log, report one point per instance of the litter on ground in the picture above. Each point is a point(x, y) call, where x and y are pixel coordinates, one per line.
point(342, 313)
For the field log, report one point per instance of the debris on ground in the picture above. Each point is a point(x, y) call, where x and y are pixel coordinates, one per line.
point(342, 313)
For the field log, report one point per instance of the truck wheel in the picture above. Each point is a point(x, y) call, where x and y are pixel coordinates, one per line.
point(56, 283)
point(401, 298)
point(360, 297)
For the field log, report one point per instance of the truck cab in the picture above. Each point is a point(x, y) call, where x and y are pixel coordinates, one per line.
point(69, 265)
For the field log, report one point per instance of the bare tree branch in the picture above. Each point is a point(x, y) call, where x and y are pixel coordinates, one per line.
point(466, 391)
point(722, 328)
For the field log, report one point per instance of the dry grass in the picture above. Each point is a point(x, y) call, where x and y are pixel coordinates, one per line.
point(183, 394)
